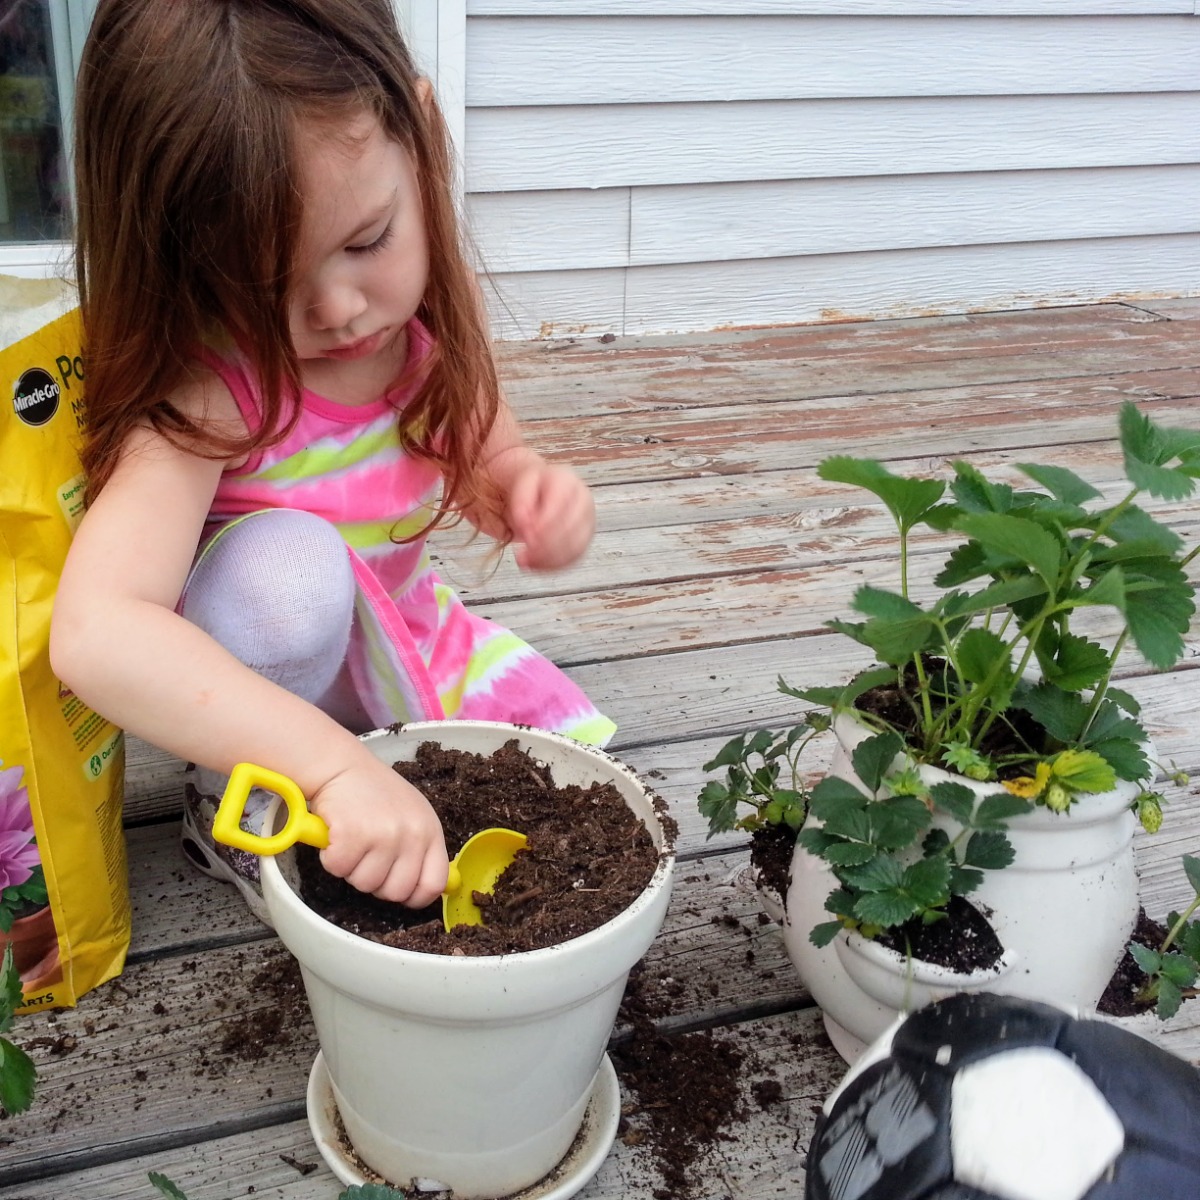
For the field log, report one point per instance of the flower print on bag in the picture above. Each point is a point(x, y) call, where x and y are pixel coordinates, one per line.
point(22, 883)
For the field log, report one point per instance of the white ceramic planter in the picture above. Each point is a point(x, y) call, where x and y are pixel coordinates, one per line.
point(895, 985)
point(474, 1072)
point(1066, 906)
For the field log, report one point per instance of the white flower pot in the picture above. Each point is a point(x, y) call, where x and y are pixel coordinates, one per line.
point(896, 984)
point(474, 1072)
point(1066, 906)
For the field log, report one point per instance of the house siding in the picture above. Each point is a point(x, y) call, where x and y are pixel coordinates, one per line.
point(654, 167)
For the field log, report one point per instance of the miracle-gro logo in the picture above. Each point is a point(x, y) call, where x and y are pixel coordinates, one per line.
point(36, 397)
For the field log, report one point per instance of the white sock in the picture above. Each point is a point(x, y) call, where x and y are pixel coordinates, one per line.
point(277, 591)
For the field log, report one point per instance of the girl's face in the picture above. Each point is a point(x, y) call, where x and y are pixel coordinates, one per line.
point(362, 260)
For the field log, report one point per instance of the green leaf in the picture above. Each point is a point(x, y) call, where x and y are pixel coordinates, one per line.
point(1150, 961)
point(906, 499)
point(937, 841)
point(1061, 713)
point(1135, 526)
point(897, 628)
point(880, 874)
point(1124, 700)
point(1107, 588)
point(848, 854)
point(816, 841)
point(1083, 771)
point(964, 880)
point(1148, 448)
point(896, 641)
point(832, 795)
point(1169, 999)
point(928, 881)
point(719, 805)
point(990, 850)
point(955, 799)
point(1189, 941)
point(1077, 664)
point(1016, 538)
point(1180, 970)
point(980, 652)
point(966, 562)
point(10, 989)
point(884, 909)
point(998, 808)
point(879, 602)
point(849, 823)
point(996, 595)
point(975, 493)
point(823, 934)
point(17, 1074)
point(371, 1191)
point(761, 743)
point(841, 697)
point(1060, 482)
point(1127, 758)
point(1191, 868)
point(729, 755)
point(873, 757)
point(166, 1187)
point(896, 821)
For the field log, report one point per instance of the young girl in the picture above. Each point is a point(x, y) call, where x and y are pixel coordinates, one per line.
point(289, 386)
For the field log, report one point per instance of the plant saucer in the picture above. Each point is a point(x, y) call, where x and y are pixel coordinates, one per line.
point(582, 1161)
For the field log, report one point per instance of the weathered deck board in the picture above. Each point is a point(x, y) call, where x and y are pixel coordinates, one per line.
point(892, 357)
point(720, 555)
point(154, 1037)
point(791, 1048)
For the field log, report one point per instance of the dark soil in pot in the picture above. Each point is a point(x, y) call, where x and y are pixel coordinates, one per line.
point(962, 941)
point(589, 857)
point(1120, 998)
point(898, 704)
point(771, 848)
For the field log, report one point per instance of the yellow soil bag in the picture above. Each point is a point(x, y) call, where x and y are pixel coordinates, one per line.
point(64, 894)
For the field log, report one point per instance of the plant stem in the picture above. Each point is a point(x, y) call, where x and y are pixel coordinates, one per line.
point(1177, 928)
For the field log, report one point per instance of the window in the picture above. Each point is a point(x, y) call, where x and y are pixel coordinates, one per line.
point(36, 71)
point(40, 45)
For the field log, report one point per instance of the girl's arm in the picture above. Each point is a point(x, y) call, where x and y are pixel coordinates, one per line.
point(549, 509)
point(118, 643)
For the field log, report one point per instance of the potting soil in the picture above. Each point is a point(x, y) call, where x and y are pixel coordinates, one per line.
point(588, 858)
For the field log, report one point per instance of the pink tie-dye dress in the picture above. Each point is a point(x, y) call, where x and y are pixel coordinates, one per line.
point(415, 653)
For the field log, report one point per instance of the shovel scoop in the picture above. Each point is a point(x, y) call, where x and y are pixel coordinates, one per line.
point(475, 868)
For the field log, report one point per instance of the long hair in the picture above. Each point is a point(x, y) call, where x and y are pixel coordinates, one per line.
point(190, 212)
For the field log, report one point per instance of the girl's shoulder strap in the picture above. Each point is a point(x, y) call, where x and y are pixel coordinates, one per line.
point(234, 372)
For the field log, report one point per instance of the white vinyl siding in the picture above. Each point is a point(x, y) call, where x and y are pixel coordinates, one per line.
point(639, 166)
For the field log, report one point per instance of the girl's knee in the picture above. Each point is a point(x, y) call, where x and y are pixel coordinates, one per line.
point(276, 588)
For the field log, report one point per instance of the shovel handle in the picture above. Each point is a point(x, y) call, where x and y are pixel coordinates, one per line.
point(300, 826)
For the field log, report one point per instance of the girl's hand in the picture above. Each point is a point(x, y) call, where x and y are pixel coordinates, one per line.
point(552, 516)
point(384, 838)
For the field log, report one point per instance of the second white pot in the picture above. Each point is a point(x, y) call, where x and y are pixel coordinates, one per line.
point(1066, 906)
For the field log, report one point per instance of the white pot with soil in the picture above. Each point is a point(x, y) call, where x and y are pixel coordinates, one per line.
point(472, 1072)
point(1064, 909)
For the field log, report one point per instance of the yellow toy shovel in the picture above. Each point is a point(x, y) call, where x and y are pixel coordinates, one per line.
point(475, 868)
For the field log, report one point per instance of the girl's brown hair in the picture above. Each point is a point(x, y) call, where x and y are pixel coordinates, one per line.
point(189, 216)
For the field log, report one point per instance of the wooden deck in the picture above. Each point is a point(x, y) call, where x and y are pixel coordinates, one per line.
point(719, 557)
